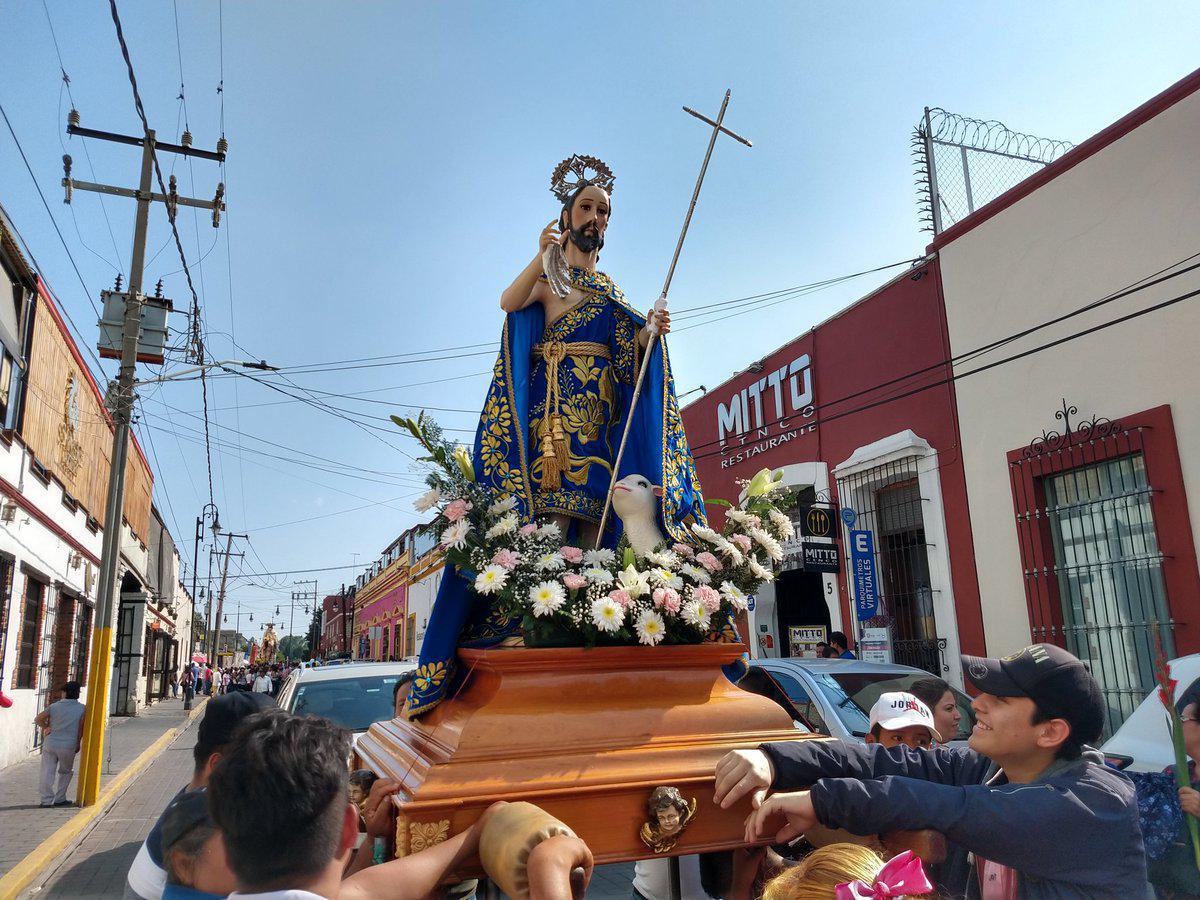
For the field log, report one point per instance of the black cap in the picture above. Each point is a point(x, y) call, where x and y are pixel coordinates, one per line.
point(224, 714)
point(182, 814)
point(1057, 681)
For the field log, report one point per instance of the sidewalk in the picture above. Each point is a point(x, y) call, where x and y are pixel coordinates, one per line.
point(25, 825)
point(97, 866)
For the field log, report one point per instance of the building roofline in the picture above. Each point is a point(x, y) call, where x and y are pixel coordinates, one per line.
point(1182, 89)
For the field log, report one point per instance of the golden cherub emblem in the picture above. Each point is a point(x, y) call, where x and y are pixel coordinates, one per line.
point(668, 814)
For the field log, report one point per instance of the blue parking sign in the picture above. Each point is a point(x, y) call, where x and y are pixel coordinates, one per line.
point(862, 565)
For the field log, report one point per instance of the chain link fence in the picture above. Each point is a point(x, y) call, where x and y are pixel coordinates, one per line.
point(964, 163)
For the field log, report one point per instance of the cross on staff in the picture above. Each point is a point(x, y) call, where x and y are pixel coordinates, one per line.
point(661, 303)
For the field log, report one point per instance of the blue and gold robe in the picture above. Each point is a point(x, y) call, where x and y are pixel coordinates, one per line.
point(594, 391)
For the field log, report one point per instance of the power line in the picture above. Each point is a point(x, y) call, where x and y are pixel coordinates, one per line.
point(821, 420)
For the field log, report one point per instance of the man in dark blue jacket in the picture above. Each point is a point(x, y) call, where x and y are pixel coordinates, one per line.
point(1041, 814)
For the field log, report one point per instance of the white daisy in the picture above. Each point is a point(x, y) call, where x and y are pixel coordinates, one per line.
point(428, 500)
point(596, 575)
point(491, 579)
point(734, 554)
point(607, 614)
point(695, 614)
point(695, 573)
point(456, 535)
point(759, 570)
point(549, 530)
point(707, 534)
point(781, 522)
point(507, 525)
point(500, 507)
point(633, 581)
point(550, 562)
point(735, 595)
point(664, 558)
point(650, 628)
point(666, 578)
point(768, 543)
point(547, 597)
point(599, 558)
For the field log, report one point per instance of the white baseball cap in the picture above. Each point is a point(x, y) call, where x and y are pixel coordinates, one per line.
point(896, 709)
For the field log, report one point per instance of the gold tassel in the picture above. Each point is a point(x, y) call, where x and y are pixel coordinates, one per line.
point(562, 448)
point(551, 472)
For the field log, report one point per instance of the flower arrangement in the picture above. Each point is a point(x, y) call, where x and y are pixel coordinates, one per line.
point(680, 593)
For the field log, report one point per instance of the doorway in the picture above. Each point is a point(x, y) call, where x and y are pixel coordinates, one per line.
point(800, 604)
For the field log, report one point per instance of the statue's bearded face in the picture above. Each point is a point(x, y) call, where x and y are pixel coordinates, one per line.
point(589, 218)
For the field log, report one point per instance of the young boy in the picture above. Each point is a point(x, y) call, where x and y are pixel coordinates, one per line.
point(899, 719)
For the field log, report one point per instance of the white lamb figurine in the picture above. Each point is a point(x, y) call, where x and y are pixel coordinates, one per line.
point(635, 500)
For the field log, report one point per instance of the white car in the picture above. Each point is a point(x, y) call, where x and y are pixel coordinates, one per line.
point(1143, 743)
point(353, 695)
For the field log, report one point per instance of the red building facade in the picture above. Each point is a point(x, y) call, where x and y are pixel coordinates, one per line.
point(859, 414)
point(334, 626)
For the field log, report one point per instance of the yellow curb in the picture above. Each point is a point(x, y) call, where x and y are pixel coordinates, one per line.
point(23, 873)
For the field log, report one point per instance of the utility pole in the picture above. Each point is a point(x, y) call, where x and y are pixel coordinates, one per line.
point(300, 595)
point(221, 595)
point(96, 718)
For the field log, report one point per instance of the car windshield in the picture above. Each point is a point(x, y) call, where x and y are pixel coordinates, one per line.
point(852, 694)
point(353, 703)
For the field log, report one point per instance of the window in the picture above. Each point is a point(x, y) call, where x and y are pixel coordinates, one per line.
point(800, 698)
point(83, 628)
point(397, 640)
point(27, 641)
point(7, 383)
point(7, 567)
point(1108, 568)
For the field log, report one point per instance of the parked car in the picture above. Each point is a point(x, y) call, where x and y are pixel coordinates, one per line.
point(353, 695)
point(835, 696)
point(1143, 742)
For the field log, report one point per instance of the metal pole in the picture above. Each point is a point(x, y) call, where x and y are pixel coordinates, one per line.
point(934, 196)
point(221, 595)
point(96, 717)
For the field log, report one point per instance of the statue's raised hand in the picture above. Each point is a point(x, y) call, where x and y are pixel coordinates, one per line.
point(550, 235)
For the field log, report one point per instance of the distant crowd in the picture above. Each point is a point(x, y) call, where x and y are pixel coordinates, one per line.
point(202, 680)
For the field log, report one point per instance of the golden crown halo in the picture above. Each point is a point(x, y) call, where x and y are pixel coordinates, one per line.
point(572, 174)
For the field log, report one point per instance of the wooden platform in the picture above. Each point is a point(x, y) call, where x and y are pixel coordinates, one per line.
point(586, 735)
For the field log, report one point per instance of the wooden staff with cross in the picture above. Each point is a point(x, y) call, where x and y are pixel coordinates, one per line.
point(661, 303)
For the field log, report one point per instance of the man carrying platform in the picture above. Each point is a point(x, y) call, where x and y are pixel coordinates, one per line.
point(1040, 812)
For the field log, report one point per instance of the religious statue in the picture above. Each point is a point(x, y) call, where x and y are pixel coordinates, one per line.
point(270, 644)
point(668, 814)
point(560, 401)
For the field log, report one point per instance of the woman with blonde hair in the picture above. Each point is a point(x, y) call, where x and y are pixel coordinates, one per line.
point(850, 872)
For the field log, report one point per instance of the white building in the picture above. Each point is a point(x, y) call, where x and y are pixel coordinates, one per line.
point(1079, 456)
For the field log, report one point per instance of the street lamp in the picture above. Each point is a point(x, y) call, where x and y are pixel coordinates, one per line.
point(216, 527)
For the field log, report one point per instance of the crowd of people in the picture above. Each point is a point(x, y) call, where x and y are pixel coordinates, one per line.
point(202, 680)
point(1027, 809)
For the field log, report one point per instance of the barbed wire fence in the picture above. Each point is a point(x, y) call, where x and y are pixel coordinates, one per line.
point(963, 163)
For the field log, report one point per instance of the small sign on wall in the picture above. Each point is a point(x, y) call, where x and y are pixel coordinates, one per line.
point(875, 645)
point(803, 639)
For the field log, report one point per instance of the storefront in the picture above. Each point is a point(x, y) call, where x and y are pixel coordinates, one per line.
point(859, 416)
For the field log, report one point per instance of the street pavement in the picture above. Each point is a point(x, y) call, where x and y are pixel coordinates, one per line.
point(97, 866)
point(24, 824)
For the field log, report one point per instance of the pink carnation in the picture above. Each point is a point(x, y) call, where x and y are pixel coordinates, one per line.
point(709, 561)
point(528, 529)
point(571, 554)
point(684, 550)
point(457, 509)
point(621, 597)
point(573, 581)
point(667, 598)
point(710, 598)
point(743, 542)
point(507, 558)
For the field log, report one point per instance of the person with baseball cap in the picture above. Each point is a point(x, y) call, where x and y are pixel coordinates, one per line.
point(193, 851)
point(147, 876)
point(1037, 809)
point(898, 719)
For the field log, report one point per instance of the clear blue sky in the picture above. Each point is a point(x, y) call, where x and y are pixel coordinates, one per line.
point(388, 172)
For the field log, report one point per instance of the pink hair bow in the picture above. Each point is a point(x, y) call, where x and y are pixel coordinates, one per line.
point(900, 876)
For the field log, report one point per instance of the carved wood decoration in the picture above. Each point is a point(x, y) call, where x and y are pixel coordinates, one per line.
point(587, 735)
